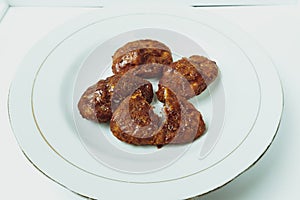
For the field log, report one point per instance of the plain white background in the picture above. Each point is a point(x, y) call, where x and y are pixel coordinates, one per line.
point(275, 28)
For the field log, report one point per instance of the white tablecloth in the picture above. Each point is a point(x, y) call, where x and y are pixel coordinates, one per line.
point(276, 28)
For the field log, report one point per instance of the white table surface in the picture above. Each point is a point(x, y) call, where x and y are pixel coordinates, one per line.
point(276, 176)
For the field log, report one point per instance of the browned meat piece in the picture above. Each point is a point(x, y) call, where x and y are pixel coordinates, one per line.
point(145, 58)
point(188, 77)
point(207, 68)
point(183, 122)
point(134, 121)
point(99, 101)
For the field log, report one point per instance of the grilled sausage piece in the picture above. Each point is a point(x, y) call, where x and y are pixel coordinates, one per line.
point(188, 77)
point(134, 121)
point(100, 100)
point(145, 58)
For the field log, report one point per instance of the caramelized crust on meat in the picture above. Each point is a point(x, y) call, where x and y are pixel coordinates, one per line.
point(188, 77)
point(134, 121)
point(145, 58)
point(100, 100)
point(183, 123)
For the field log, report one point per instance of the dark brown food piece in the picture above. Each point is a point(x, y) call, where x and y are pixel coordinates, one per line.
point(100, 100)
point(183, 123)
point(145, 58)
point(134, 121)
point(188, 77)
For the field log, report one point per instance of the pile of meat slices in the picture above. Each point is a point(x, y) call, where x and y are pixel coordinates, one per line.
point(124, 99)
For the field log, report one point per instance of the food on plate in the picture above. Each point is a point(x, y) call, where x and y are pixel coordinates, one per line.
point(188, 77)
point(100, 100)
point(124, 99)
point(146, 58)
point(134, 121)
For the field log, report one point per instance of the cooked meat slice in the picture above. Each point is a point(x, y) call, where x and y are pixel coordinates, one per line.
point(183, 123)
point(99, 101)
point(145, 58)
point(134, 121)
point(207, 68)
point(188, 77)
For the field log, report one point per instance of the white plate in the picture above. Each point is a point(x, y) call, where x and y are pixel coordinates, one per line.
point(243, 106)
